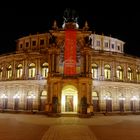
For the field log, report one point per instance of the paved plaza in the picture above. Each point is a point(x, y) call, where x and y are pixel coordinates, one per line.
point(41, 127)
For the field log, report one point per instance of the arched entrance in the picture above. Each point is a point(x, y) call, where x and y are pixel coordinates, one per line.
point(69, 99)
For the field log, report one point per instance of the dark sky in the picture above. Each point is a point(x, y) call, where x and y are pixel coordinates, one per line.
point(119, 22)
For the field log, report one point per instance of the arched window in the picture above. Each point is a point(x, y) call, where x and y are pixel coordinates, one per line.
point(45, 70)
point(32, 70)
point(129, 74)
point(94, 71)
point(138, 75)
point(19, 71)
point(107, 72)
point(119, 73)
point(1, 72)
point(9, 72)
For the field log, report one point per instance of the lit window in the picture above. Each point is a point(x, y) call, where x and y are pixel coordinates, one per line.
point(44, 94)
point(94, 71)
point(107, 72)
point(19, 71)
point(119, 73)
point(129, 74)
point(32, 70)
point(45, 70)
point(138, 75)
point(9, 72)
point(1, 71)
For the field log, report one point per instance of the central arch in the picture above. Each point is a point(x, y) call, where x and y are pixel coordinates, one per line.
point(69, 99)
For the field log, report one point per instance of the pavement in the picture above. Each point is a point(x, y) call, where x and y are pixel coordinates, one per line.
point(41, 127)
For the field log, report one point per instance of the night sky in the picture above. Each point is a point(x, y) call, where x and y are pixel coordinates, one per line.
point(118, 22)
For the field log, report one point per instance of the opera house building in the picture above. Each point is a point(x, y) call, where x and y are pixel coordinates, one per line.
point(69, 70)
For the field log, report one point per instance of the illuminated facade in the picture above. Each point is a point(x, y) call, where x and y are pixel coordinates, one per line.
point(69, 70)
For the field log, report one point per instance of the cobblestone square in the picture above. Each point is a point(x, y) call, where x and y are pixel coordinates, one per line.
point(41, 127)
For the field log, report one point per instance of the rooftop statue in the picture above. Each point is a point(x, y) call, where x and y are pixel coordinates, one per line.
point(70, 15)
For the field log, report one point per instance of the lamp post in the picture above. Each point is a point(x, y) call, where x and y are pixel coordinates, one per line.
point(16, 101)
point(31, 98)
point(133, 99)
point(4, 97)
point(121, 102)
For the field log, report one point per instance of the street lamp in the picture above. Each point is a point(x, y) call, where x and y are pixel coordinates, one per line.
point(133, 99)
point(4, 104)
point(121, 101)
point(31, 98)
point(16, 101)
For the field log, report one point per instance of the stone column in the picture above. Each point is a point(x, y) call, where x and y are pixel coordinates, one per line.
point(57, 62)
point(39, 69)
point(101, 70)
point(53, 62)
point(82, 64)
point(114, 71)
point(89, 61)
point(26, 69)
point(50, 63)
point(86, 57)
point(14, 72)
point(125, 72)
